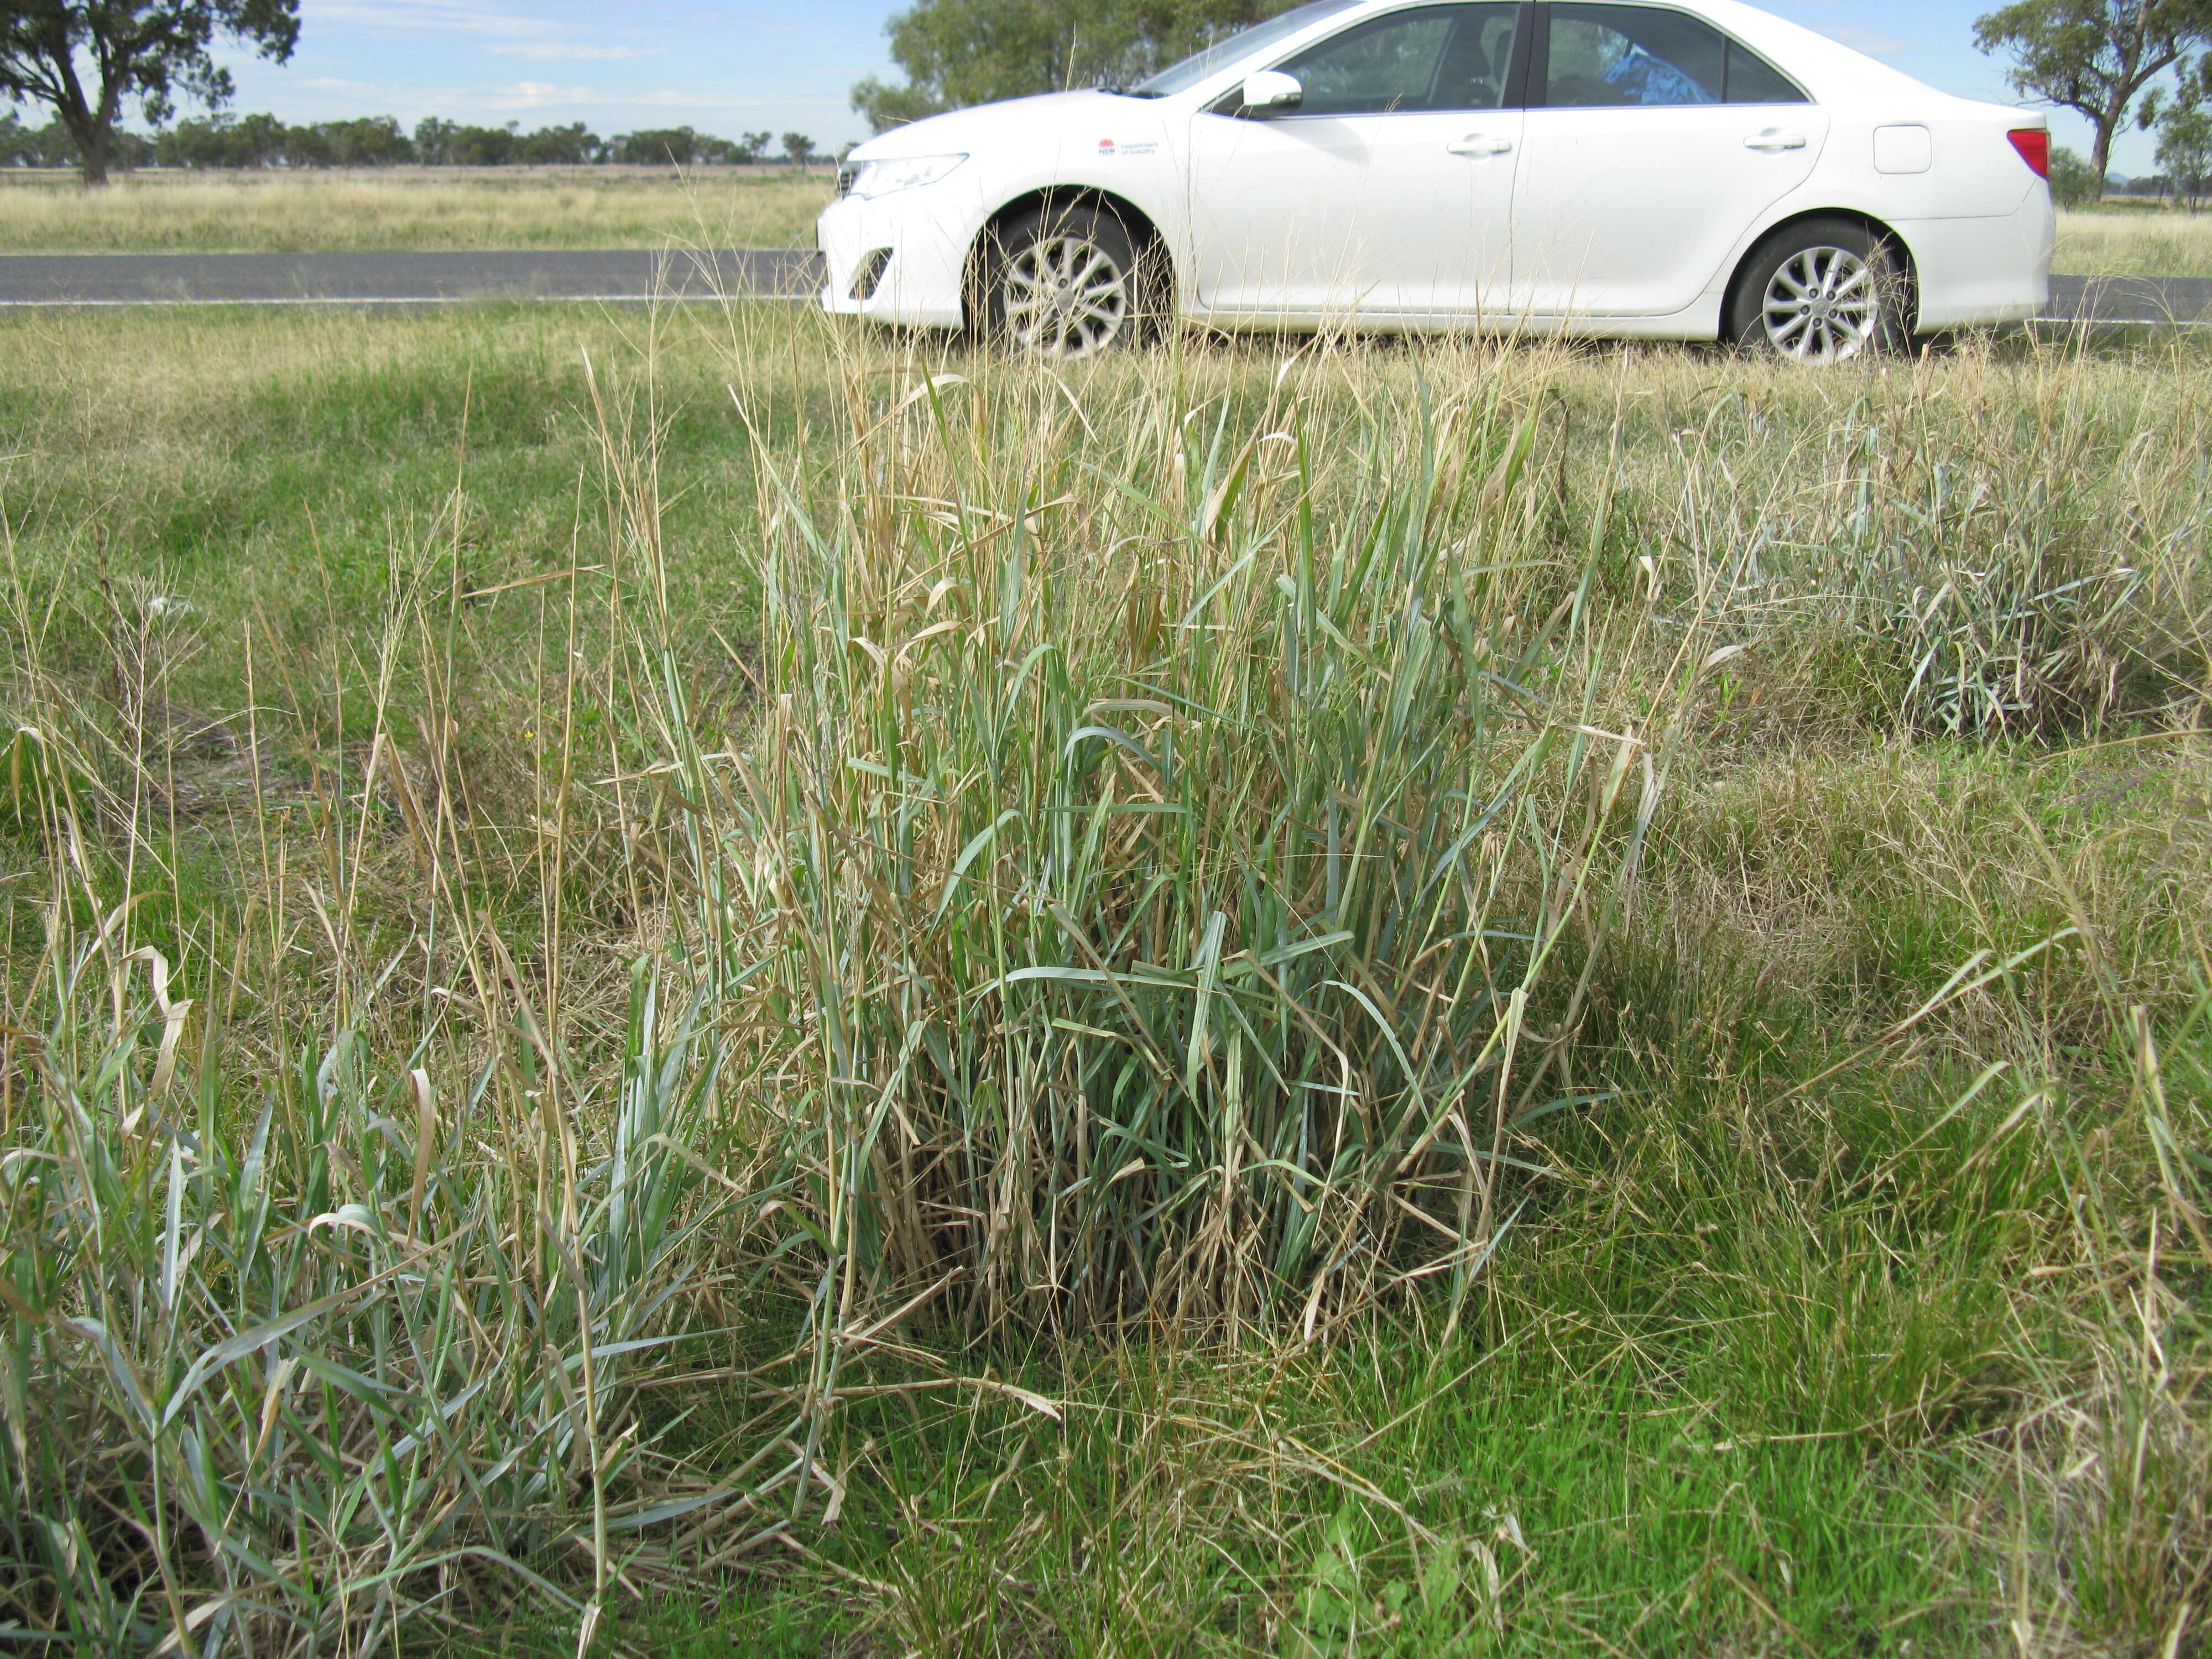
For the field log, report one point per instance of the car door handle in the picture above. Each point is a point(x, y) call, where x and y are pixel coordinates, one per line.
point(1774, 139)
point(1476, 143)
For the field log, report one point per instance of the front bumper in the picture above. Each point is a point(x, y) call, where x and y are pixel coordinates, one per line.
point(919, 239)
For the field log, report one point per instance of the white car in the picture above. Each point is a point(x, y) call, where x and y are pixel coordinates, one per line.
point(1693, 170)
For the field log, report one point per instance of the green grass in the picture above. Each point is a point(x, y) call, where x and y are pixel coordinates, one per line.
point(408, 685)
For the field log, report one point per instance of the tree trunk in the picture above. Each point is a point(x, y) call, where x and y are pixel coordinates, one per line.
point(93, 138)
point(91, 130)
point(2101, 152)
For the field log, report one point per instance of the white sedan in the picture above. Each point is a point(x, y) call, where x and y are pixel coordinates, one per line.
point(1698, 170)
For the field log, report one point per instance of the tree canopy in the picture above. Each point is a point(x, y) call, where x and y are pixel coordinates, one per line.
point(2072, 184)
point(957, 52)
point(2184, 147)
point(2095, 57)
point(85, 59)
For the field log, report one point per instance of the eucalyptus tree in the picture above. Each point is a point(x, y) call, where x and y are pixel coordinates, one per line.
point(87, 59)
point(2094, 56)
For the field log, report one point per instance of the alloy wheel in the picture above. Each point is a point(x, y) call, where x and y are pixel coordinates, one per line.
point(1064, 296)
point(1823, 305)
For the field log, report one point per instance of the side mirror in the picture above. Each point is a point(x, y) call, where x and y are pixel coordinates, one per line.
point(1271, 92)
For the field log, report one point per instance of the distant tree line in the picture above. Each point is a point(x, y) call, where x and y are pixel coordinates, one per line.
point(378, 141)
point(2191, 189)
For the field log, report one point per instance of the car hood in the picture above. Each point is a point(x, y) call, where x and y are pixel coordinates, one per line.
point(1024, 120)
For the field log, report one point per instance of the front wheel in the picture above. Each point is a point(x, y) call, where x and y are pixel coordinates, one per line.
point(1820, 292)
point(1064, 282)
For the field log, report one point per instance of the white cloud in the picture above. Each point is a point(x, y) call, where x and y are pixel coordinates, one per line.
point(535, 95)
point(418, 17)
point(567, 49)
point(672, 100)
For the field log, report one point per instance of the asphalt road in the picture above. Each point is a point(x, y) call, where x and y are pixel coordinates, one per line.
point(355, 279)
point(629, 275)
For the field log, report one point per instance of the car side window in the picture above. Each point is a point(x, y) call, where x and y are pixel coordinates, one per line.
point(1436, 57)
point(1602, 57)
point(1753, 80)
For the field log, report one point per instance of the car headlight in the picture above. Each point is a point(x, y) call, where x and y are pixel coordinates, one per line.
point(873, 178)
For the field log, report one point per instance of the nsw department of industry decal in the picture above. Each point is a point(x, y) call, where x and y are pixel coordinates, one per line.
point(1108, 149)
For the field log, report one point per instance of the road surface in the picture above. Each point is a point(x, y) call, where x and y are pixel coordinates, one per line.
point(352, 279)
point(629, 275)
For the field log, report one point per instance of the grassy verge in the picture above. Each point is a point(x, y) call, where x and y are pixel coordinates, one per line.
point(2132, 242)
point(1424, 1000)
point(413, 210)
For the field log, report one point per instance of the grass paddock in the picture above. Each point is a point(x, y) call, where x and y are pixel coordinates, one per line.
point(412, 209)
point(694, 982)
point(2135, 242)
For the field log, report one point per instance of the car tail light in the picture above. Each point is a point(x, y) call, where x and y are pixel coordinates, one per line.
point(2034, 145)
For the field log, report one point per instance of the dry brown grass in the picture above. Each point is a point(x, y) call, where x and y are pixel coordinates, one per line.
point(412, 209)
point(2134, 242)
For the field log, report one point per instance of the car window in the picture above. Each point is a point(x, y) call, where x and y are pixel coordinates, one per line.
point(1753, 80)
point(1437, 58)
point(1602, 57)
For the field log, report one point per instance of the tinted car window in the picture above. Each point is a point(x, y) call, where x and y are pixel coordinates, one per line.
point(1439, 57)
point(1602, 57)
point(1753, 80)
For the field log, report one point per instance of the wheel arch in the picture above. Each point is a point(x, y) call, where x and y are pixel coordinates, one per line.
point(1883, 233)
point(1142, 230)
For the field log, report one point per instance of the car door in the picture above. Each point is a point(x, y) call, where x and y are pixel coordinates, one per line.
point(1658, 142)
point(1388, 191)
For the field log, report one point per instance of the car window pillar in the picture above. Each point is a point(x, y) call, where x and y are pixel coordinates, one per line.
point(1537, 63)
point(1524, 75)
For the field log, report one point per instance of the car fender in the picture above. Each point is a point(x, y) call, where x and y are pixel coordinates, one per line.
point(1872, 197)
point(1143, 176)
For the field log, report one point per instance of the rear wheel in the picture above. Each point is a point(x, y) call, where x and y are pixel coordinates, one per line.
point(1820, 292)
point(1064, 282)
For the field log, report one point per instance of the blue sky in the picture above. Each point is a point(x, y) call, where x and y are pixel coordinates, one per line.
point(728, 66)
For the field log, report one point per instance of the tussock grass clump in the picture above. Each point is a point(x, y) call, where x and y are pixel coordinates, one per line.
point(1997, 550)
point(295, 1371)
point(1164, 839)
point(364, 1170)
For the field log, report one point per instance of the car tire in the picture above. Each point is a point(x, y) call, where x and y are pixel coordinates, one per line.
point(1821, 291)
point(1065, 282)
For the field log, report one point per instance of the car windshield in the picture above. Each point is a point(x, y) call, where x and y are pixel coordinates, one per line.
point(1182, 77)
